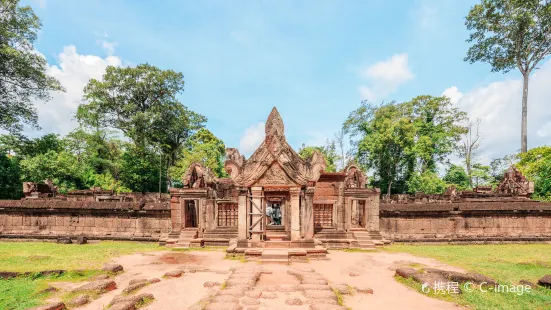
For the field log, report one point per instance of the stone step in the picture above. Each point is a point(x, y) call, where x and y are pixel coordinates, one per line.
point(275, 254)
point(274, 261)
point(277, 244)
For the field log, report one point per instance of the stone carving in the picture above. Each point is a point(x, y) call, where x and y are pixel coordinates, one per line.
point(275, 176)
point(198, 176)
point(515, 183)
point(355, 177)
point(274, 149)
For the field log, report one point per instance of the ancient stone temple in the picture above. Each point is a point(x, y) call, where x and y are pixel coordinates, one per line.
point(275, 199)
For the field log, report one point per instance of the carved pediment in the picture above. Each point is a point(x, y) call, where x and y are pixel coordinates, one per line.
point(259, 168)
point(275, 175)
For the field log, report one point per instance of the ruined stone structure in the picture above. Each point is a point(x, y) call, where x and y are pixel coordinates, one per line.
point(274, 199)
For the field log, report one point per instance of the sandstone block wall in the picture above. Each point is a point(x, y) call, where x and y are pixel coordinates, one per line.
point(465, 222)
point(34, 218)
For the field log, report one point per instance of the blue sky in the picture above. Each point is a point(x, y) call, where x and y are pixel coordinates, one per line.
point(313, 60)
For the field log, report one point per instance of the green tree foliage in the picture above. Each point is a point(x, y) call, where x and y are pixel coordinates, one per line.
point(142, 172)
point(22, 70)
point(397, 140)
point(329, 152)
point(61, 167)
point(10, 182)
point(481, 175)
point(457, 176)
point(437, 129)
point(508, 34)
point(536, 166)
point(427, 182)
point(141, 102)
point(203, 147)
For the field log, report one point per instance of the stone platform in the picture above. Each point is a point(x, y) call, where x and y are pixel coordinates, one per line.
point(277, 255)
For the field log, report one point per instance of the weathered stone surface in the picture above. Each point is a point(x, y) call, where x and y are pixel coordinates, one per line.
point(480, 278)
point(318, 306)
point(293, 301)
point(313, 280)
point(315, 287)
point(287, 288)
point(48, 289)
point(114, 268)
point(52, 306)
point(236, 291)
point(429, 278)
point(174, 274)
point(98, 287)
point(317, 294)
point(135, 286)
point(154, 280)
point(64, 240)
point(138, 280)
point(364, 290)
point(210, 284)
point(120, 302)
point(225, 298)
point(405, 272)
point(344, 289)
point(268, 295)
point(253, 294)
point(81, 240)
point(79, 300)
point(223, 306)
point(247, 301)
point(354, 274)
point(545, 281)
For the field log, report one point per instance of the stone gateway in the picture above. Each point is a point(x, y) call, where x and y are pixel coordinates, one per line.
point(275, 199)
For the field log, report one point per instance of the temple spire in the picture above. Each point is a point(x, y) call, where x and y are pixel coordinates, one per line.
point(274, 124)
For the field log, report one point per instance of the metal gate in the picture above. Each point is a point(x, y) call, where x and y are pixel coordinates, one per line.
point(227, 214)
point(323, 215)
point(257, 216)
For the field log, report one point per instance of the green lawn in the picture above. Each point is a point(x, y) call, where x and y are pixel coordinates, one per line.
point(508, 264)
point(82, 261)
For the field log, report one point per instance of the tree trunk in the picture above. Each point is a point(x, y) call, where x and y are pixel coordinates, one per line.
point(388, 189)
point(524, 139)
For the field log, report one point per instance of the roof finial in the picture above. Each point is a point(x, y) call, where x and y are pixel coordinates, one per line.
point(274, 124)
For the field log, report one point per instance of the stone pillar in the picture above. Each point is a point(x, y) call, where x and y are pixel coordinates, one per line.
point(199, 209)
point(242, 227)
point(367, 212)
point(183, 206)
point(374, 212)
point(308, 214)
point(257, 213)
point(348, 213)
point(295, 213)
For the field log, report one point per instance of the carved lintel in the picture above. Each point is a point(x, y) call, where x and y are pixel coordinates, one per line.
point(294, 192)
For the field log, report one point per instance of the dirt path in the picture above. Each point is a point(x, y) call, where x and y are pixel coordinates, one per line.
point(278, 283)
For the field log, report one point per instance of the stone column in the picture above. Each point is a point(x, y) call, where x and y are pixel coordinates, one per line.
point(374, 212)
point(308, 213)
point(295, 213)
point(348, 213)
point(183, 206)
point(257, 212)
point(242, 227)
point(367, 212)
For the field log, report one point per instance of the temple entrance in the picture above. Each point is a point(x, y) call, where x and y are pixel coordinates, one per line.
point(358, 214)
point(190, 214)
point(274, 214)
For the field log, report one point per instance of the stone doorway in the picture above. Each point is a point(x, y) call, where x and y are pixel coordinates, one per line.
point(358, 214)
point(190, 214)
point(274, 214)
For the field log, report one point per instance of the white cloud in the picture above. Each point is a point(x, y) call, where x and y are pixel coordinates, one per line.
point(41, 3)
point(73, 71)
point(453, 93)
point(385, 76)
point(108, 47)
point(498, 105)
point(252, 138)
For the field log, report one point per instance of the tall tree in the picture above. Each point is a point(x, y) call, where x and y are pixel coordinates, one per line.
point(22, 70)
point(508, 34)
point(468, 147)
point(134, 100)
point(437, 129)
point(386, 140)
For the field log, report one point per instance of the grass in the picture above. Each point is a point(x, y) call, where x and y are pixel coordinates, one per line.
point(82, 261)
point(38, 256)
point(508, 264)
